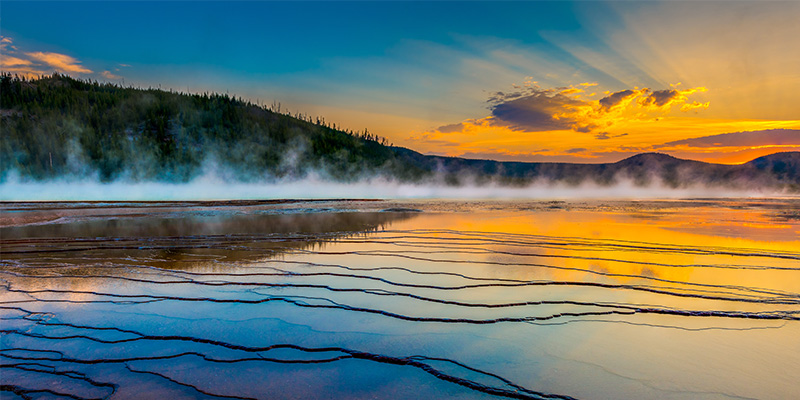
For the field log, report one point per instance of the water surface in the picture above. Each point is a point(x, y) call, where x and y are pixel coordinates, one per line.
point(683, 299)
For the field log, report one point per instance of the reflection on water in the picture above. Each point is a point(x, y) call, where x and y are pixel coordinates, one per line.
point(678, 299)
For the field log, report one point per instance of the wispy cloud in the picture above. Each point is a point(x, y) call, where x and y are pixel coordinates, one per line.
point(772, 137)
point(31, 64)
point(109, 75)
point(14, 63)
point(6, 43)
point(9, 61)
point(60, 62)
point(606, 135)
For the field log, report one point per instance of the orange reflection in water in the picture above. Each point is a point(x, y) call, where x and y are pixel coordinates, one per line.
point(626, 241)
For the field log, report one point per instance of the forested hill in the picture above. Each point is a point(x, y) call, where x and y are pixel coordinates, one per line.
point(57, 126)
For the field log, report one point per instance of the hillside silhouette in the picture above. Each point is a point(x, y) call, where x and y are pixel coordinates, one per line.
point(57, 126)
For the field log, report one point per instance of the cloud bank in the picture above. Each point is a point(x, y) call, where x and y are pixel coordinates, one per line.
point(534, 109)
point(59, 62)
point(772, 137)
point(32, 64)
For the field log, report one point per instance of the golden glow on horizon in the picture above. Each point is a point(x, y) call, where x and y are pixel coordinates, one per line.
point(740, 71)
point(484, 139)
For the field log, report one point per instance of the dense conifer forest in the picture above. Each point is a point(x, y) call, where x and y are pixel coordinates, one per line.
point(58, 125)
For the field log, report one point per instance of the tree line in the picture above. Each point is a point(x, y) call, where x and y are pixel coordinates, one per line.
point(57, 125)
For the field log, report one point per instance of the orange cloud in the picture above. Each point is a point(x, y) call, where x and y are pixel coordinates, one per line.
point(534, 109)
point(571, 91)
point(620, 99)
point(539, 124)
point(18, 66)
point(749, 139)
point(695, 105)
point(665, 99)
point(35, 64)
point(60, 62)
point(5, 43)
point(9, 61)
point(109, 75)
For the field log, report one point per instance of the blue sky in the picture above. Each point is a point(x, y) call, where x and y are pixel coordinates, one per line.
point(406, 69)
point(266, 37)
point(280, 46)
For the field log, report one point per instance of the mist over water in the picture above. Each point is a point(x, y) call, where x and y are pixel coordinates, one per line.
point(213, 187)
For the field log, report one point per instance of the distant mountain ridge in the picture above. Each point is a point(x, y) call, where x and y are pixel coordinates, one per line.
point(58, 126)
point(778, 170)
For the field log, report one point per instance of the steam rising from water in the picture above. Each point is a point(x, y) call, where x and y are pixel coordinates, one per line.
point(212, 187)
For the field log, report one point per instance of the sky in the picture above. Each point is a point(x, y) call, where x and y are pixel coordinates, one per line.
point(585, 81)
